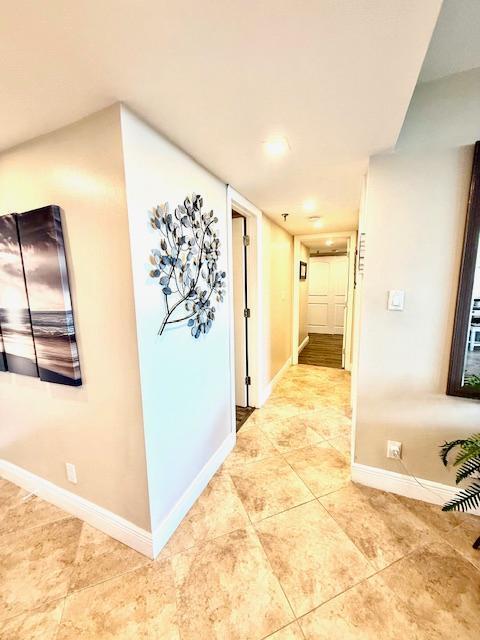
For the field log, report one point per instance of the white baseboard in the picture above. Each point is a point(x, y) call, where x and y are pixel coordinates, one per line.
point(167, 527)
point(100, 518)
point(275, 380)
point(303, 345)
point(403, 485)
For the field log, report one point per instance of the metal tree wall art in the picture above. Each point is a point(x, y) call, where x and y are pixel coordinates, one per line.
point(185, 264)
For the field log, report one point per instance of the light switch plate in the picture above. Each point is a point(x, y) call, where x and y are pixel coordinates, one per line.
point(396, 300)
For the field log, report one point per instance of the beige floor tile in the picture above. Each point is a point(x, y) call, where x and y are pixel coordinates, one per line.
point(290, 632)
point(268, 487)
point(36, 565)
point(432, 514)
point(462, 538)
point(252, 445)
point(333, 422)
point(226, 590)
point(367, 611)
point(219, 510)
point(293, 433)
point(140, 605)
point(342, 444)
point(321, 467)
point(17, 513)
point(100, 557)
point(311, 555)
point(40, 624)
point(292, 404)
point(438, 585)
point(8, 490)
point(382, 528)
point(269, 413)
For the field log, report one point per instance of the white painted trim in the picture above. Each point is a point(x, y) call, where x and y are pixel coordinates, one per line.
point(255, 286)
point(352, 240)
point(275, 380)
point(303, 345)
point(404, 485)
point(100, 518)
point(167, 527)
point(356, 324)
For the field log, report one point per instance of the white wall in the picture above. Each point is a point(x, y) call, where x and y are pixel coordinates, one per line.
point(97, 426)
point(415, 209)
point(185, 382)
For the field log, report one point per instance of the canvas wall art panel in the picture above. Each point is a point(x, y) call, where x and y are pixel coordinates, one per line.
point(14, 310)
point(3, 358)
point(46, 276)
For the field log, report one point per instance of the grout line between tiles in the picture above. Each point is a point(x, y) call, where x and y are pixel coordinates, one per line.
point(60, 621)
point(35, 526)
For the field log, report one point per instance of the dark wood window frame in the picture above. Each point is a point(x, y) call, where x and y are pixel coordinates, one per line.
point(463, 310)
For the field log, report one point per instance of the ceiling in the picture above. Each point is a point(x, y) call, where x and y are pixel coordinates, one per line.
point(327, 245)
point(220, 78)
point(455, 44)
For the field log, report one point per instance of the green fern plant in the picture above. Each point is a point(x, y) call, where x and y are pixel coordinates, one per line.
point(468, 462)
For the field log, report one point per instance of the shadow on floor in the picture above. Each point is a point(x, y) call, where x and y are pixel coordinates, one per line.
point(242, 414)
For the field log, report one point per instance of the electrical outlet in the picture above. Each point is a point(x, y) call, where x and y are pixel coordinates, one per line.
point(71, 472)
point(394, 449)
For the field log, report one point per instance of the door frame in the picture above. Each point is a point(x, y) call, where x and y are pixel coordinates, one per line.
point(253, 217)
point(351, 247)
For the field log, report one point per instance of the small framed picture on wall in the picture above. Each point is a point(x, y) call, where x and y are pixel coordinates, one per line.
point(303, 270)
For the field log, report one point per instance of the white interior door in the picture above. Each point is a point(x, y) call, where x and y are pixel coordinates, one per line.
point(239, 305)
point(327, 294)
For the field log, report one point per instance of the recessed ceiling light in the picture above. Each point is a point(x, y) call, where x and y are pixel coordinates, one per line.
point(329, 243)
point(316, 221)
point(276, 147)
point(309, 205)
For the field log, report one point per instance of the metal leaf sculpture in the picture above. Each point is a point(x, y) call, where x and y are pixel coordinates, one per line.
point(185, 264)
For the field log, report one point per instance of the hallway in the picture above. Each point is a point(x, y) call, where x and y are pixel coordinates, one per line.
point(280, 542)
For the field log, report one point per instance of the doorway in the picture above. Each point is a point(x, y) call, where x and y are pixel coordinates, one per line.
point(241, 317)
point(326, 310)
point(245, 272)
point(323, 301)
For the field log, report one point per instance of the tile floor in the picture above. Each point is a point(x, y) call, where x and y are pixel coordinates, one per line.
point(281, 544)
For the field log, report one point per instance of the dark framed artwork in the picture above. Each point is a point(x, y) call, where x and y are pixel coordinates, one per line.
point(15, 323)
point(464, 371)
point(3, 357)
point(303, 270)
point(46, 277)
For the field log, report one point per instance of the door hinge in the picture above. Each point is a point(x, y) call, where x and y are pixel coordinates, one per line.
point(248, 381)
point(246, 241)
point(246, 313)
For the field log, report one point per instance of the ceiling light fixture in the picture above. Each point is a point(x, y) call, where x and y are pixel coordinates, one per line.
point(316, 221)
point(276, 147)
point(309, 205)
point(329, 243)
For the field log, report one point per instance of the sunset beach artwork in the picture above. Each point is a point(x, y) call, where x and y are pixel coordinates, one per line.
point(46, 277)
point(15, 324)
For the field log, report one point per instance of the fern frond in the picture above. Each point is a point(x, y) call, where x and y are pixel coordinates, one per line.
point(468, 450)
point(467, 469)
point(447, 447)
point(466, 499)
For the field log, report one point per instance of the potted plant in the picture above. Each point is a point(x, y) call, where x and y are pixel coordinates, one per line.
point(468, 463)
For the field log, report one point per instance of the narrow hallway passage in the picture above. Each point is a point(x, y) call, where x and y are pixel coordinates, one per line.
point(281, 544)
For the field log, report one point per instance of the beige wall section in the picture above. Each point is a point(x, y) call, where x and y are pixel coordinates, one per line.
point(303, 297)
point(97, 426)
point(277, 294)
point(415, 216)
